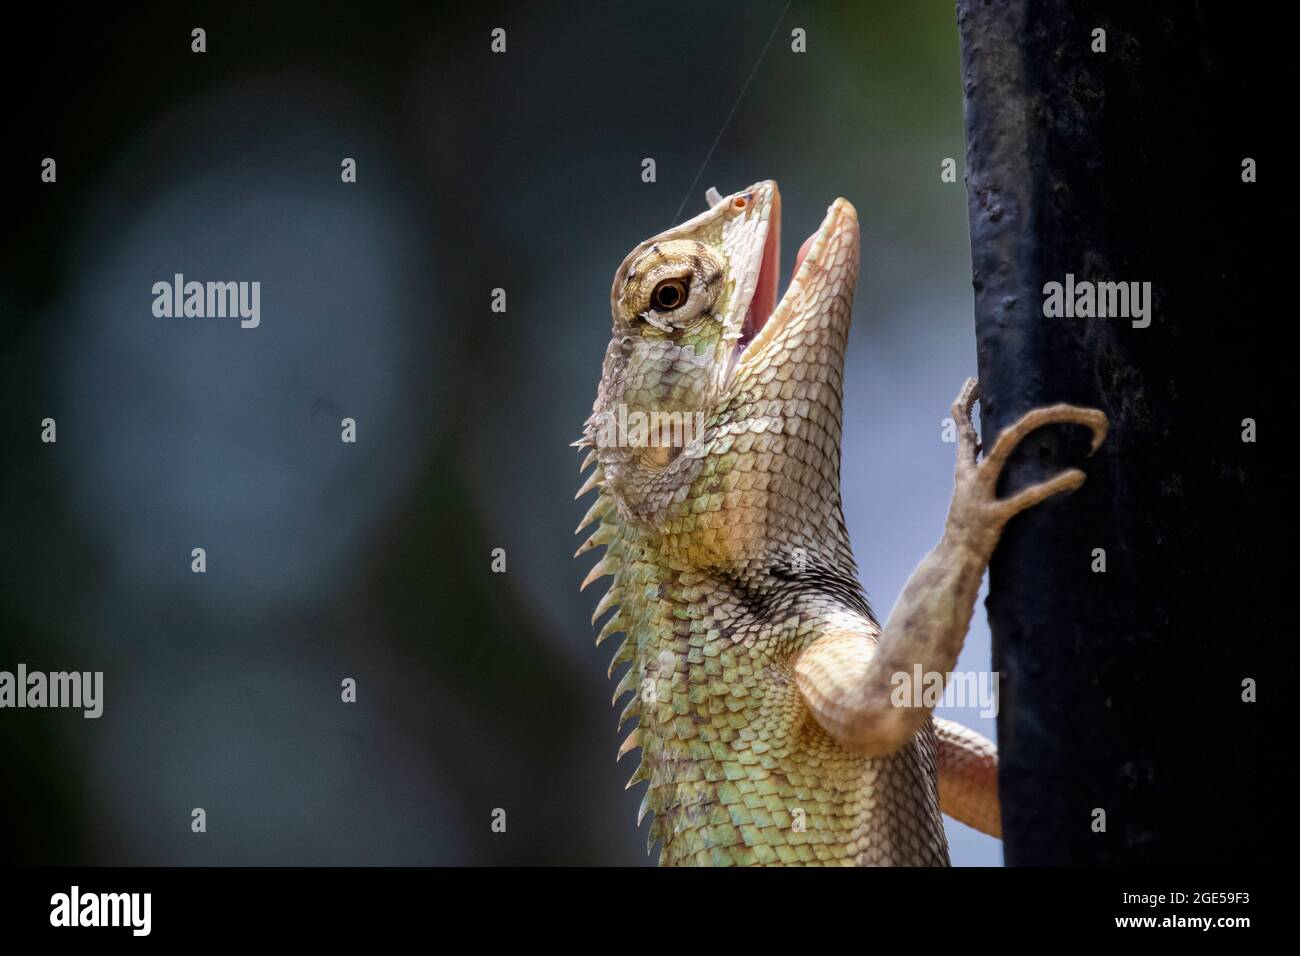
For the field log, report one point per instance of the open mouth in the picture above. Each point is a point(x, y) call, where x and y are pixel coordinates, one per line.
point(759, 312)
point(765, 301)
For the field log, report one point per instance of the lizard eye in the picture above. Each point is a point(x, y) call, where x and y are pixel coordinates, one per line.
point(669, 294)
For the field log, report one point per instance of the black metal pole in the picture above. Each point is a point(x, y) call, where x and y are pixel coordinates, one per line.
point(1125, 157)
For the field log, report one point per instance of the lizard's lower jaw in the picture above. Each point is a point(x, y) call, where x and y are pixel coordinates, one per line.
point(767, 317)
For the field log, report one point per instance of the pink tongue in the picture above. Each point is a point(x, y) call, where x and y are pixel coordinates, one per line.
point(764, 301)
point(765, 289)
point(803, 251)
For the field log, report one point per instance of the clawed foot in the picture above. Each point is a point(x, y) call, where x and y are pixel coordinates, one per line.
point(977, 480)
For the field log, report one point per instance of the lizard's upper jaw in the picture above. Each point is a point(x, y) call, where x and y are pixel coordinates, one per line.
point(766, 317)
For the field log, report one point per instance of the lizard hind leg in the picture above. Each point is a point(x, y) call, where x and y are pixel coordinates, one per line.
point(968, 777)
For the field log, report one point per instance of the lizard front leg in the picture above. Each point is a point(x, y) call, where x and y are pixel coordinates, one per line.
point(848, 678)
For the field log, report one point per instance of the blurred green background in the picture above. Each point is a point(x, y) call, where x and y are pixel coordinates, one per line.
point(476, 170)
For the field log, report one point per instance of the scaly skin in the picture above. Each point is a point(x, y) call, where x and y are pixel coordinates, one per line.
point(761, 680)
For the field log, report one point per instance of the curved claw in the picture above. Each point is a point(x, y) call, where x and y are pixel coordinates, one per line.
point(1010, 437)
point(961, 415)
point(965, 401)
point(1100, 428)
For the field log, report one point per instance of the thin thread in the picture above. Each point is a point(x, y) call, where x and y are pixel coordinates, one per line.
point(727, 122)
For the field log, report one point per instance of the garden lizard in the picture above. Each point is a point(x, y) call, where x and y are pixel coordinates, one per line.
point(762, 686)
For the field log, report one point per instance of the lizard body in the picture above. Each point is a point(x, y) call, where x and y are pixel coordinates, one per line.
point(760, 677)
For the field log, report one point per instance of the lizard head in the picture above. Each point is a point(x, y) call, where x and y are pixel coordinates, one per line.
point(708, 284)
point(692, 309)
